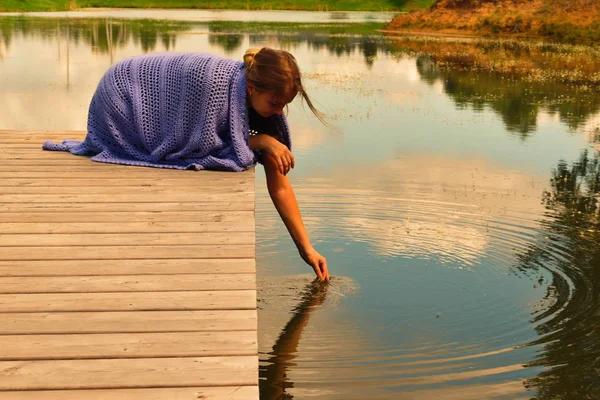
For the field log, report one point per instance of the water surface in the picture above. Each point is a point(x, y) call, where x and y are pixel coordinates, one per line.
point(457, 203)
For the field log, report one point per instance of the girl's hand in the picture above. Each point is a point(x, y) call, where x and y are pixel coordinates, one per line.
point(279, 152)
point(317, 262)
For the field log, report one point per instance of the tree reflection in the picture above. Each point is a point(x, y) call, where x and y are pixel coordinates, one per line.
point(570, 327)
point(517, 102)
point(516, 80)
point(229, 42)
point(5, 39)
point(103, 36)
point(273, 380)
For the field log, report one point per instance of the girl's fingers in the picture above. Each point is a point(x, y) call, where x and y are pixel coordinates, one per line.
point(287, 163)
point(325, 271)
point(318, 271)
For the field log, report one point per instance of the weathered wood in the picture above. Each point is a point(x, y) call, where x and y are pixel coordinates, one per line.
point(125, 283)
point(140, 301)
point(25, 135)
point(127, 267)
point(48, 174)
point(133, 196)
point(105, 170)
point(127, 322)
point(120, 216)
point(124, 182)
point(139, 191)
point(131, 281)
point(185, 186)
point(126, 345)
point(128, 373)
point(125, 252)
point(91, 208)
point(126, 227)
point(128, 239)
point(188, 393)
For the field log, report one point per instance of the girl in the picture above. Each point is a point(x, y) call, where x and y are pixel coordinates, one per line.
point(201, 111)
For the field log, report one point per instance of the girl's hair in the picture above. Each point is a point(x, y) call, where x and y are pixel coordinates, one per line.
point(277, 71)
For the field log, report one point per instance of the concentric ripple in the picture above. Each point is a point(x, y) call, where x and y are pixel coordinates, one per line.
point(461, 290)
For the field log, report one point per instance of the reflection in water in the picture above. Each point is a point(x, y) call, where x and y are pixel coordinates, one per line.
point(106, 35)
point(273, 374)
point(228, 42)
point(507, 78)
point(518, 103)
point(431, 241)
point(101, 35)
point(570, 324)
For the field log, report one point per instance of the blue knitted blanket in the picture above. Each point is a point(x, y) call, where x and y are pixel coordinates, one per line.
point(171, 110)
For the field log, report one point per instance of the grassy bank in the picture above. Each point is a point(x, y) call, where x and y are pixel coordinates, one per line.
point(564, 20)
point(308, 5)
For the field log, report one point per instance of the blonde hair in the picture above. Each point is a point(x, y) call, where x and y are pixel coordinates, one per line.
point(272, 70)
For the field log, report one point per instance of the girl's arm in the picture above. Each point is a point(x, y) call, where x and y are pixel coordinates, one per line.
point(284, 199)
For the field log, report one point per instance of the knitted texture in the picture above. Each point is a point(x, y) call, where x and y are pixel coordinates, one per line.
point(171, 110)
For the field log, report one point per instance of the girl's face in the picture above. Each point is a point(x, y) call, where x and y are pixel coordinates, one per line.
point(268, 103)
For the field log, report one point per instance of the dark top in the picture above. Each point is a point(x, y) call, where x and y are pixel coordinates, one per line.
point(260, 124)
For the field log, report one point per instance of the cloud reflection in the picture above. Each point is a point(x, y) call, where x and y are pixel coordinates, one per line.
point(423, 206)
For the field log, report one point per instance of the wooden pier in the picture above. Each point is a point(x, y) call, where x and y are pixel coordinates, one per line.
point(122, 282)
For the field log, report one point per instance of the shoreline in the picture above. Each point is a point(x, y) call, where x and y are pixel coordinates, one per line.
point(208, 15)
point(456, 34)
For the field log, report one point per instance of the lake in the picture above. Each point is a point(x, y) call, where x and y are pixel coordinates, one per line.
point(456, 201)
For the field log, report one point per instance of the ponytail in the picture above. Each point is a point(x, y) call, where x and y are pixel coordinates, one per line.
point(249, 57)
point(277, 71)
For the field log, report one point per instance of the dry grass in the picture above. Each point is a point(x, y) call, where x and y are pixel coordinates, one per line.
point(567, 20)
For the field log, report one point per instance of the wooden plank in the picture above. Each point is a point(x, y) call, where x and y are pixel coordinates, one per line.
point(129, 345)
point(9, 144)
point(106, 171)
point(145, 191)
point(125, 252)
point(33, 148)
point(91, 208)
point(25, 168)
point(127, 239)
point(136, 196)
point(35, 153)
point(189, 393)
point(33, 133)
point(121, 215)
point(103, 174)
point(103, 170)
point(140, 301)
point(87, 165)
point(127, 322)
point(45, 157)
point(128, 373)
point(246, 225)
point(127, 267)
point(176, 181)
point(84, 315)
point(127, 283)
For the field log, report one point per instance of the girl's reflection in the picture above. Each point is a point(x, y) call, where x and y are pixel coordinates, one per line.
point(272, 376)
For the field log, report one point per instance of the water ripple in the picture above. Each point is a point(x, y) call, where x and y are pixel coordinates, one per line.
point(502, 243)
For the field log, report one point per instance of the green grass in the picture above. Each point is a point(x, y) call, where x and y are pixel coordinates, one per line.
point(312, 5)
